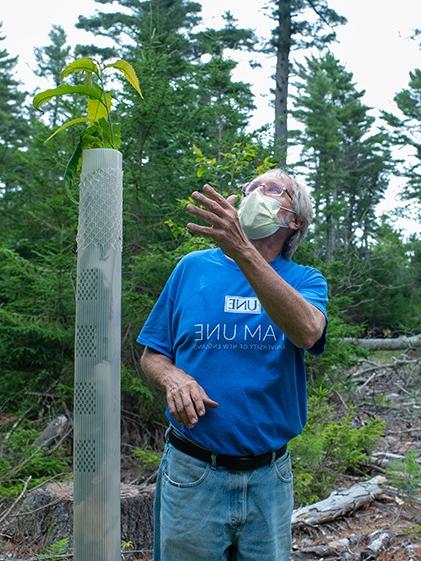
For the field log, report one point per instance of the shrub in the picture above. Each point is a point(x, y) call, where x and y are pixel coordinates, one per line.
point(21, 458)
point(329, 447)
point(149, 460)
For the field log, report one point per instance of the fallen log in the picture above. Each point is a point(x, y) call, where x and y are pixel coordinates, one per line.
point(339, 503)
point(378, 541)
point(382, 459)
point(393, 344)
point(350, 548)
point(54, 430)
point(343, 549)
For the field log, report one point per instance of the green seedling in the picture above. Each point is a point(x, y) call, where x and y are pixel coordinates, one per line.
point(99, 131)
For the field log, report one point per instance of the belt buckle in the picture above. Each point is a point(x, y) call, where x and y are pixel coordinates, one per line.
point(250, 462)
point(245, 463)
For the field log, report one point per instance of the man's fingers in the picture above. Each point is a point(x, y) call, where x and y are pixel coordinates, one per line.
point(173, 409)
point(202, 230)
point(213, 194)
point(189, 409)
point(212, 205)
point(198, 403)
point(232, 199)
point(181, 412)
point(210, 403)
point(188, 402)
point(215, 212)
point(207, 215)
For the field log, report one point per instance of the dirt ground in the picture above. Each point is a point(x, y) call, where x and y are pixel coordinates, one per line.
point(394, 394)
point(387, 528)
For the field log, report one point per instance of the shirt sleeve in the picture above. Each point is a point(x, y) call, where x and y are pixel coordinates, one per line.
point(156, 332)
point(313, 288)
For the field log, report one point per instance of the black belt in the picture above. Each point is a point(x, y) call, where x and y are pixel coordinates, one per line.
point(235, 463)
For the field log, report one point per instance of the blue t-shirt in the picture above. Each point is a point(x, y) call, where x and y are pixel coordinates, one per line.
point(209, 322)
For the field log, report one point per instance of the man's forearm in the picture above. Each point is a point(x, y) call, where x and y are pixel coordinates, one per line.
point(159, 368)
point(301, 322)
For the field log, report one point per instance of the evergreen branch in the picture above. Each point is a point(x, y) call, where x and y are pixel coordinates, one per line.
point(321, 16)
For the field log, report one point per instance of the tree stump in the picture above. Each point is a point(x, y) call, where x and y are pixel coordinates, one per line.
point(46, 516)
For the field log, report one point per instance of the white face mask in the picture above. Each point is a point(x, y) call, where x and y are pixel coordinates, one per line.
point(258, 215)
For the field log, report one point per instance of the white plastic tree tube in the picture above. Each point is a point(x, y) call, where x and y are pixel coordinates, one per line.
point(96, 534)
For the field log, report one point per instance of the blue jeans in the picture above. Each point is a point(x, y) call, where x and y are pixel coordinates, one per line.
point(206, 513)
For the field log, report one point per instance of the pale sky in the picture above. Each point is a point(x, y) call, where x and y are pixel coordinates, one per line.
point(375, 46)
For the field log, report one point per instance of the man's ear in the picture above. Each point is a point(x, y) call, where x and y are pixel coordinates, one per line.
point(296, 224)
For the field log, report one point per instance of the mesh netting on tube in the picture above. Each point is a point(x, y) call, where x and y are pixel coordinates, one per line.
point(100, 210)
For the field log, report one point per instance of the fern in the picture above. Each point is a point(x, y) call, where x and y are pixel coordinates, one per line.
point(55, 551)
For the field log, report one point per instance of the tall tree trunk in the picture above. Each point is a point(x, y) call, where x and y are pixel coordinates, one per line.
point(331, 222)
point(281, 78)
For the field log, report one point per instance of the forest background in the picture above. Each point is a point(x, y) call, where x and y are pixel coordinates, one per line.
point(191, 128)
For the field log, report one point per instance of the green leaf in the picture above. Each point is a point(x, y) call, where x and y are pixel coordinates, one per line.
point(93, 92)
point(93, 137)
point(101, 130)
point(98, 135)
point(79, 65)
point(73, 163)
point(97, 109)
point(129, 73)
point(200, 171)
point(66, 125)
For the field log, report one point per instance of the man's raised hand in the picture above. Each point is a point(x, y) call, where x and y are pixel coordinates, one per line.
point(224, 226)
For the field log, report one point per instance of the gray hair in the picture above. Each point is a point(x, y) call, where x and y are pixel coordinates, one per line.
point(302, 206)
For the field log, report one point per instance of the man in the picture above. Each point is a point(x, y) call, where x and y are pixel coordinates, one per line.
point(226, 341)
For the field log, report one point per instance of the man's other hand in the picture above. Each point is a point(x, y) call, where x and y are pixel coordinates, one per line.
point(187, 400)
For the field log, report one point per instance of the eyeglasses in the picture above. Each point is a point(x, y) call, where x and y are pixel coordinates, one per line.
point(269, 188)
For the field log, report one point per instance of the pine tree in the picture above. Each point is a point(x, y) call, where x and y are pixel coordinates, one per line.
point(406, 133)
point(347, 161)
point(296, 30)
point(386, 297)
point(41, 194)
point(51, 60)
point(39, 220)
point(13, 127)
